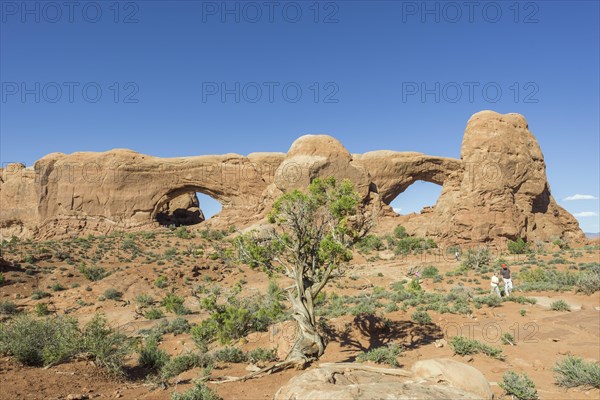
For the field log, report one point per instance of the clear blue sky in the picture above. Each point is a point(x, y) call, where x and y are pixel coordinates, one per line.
point(365, 58)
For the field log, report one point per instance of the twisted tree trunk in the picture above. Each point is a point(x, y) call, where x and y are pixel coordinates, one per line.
point(309, 343)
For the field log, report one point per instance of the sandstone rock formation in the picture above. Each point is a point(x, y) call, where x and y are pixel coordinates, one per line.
point(358, 382)
point(496, 190)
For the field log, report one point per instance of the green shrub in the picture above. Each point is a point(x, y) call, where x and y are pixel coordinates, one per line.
point(261, 354)
point(144, 300)
point(2, 279)
point(161, 282)
point(151, 356)
point(573, 371)
point(489, 300)
point(382, 355)
point(112, 294)
point(369, 243)
point(41, 309)
point(522, 312)
point(463, 346)
point(198, 392)
point(8, 307)
point(588, 281)
point(400, 232)
point(173, 303)
point(478, 258)
point(238, 317)
point(414, 286)
point(185, 362)
point(39, 294)
point(230, 355)
point(520, 387)
point(40, 341)
point(57, 287)
point(421, 317)
point(178, 326)
point(107, 347)
point(183, 233)
point(430, 272)
point(560, 305)
point(507, 338)
point(153, 313)
point(93, 273)
point(518, 247)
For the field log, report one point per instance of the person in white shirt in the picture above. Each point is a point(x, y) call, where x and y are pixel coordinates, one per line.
point(494, 284)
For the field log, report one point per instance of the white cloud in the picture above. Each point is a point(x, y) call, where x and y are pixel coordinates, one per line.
point(397, 210)
point(580, 197)
point(586, 214)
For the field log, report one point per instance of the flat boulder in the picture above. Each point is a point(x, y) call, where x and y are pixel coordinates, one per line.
point(354, 381)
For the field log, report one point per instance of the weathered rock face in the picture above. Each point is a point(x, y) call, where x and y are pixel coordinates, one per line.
point(498, 189)
point(358, 382)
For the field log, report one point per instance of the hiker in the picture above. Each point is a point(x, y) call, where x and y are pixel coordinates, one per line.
point(507, 280)
point(494, 284)
point(456, 254)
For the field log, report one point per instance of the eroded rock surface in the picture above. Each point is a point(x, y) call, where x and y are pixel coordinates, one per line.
point(350, 381)
point(497, 190)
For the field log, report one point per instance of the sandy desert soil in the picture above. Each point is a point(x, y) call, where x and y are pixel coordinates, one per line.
point(542, 336)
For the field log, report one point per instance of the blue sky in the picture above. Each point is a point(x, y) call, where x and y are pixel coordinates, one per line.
point(344, 68)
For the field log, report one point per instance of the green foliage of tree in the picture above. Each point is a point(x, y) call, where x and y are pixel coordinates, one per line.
point(314, 233)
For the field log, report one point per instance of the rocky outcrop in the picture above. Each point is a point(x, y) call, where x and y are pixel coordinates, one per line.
point(497, 190)
point(360, 382)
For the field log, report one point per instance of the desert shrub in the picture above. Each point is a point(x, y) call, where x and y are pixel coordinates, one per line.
point(174, 303)
point(39, 294)
point(400, 232)
point(560, 305)
point(144, 300)
point(151, 356)
point(508, 339)
point(2, 279)
point(41, 309)
point(489, 300)
point(573, 371)
point(38, 342)
point(178, 326)
point(382, 355)
point(414, 286)
point(183, 233)
point(93, 273)
point(588, 281)
point(261, 354)
point(161, 282)
point(421, 317)
point(562, 244)
point(238, 317)
point(112, 294)
point(8, 307)
point(413, 243)
point(518, 246)
point(153, 313)
point(370, 243)
point(185, 362)
point(463, 346)
point(198, 392)
point(477, 258)
point(519, 299)
point(107, 347)
point(430, 271)
point(230, 354)
point(520, 387)
point(522, 312)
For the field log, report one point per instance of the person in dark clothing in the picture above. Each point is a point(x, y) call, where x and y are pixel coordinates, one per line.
point(506, 277)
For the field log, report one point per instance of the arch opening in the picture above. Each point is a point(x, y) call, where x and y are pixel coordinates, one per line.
point(184, 207)
point(417, 198)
